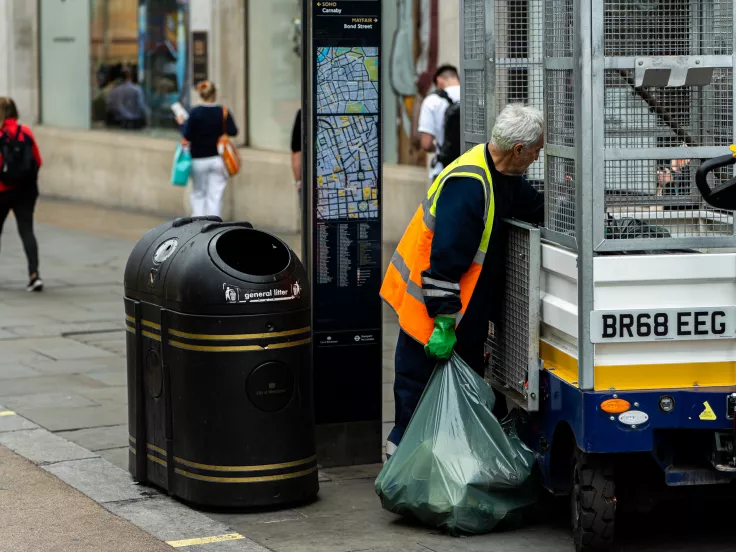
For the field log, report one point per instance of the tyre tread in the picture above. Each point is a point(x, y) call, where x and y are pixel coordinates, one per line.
point(597, 503)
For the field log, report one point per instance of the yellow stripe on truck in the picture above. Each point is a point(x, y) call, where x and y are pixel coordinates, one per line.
point(641, 376)
point(666, 376)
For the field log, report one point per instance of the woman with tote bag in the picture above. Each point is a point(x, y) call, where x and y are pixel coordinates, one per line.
point(206, 130)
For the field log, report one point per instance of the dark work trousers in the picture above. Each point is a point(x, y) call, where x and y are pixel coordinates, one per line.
point(22, 202)
point(413, 370)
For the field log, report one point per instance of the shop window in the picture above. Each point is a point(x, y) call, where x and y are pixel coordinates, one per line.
point(145, 40)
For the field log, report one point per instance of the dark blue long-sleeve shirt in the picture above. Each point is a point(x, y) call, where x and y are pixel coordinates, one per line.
point(204, 127)
point(458, 232)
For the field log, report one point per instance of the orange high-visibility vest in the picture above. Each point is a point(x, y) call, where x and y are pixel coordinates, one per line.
point(402, 286)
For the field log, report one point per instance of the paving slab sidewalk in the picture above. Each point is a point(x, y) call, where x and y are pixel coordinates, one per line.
point(39, 512)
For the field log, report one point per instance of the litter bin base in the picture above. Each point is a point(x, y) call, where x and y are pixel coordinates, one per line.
point(235, 489)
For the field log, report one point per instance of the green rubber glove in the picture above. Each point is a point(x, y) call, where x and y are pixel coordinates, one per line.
point(442, 341)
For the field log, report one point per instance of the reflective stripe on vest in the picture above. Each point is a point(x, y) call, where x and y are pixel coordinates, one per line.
point(402, 286)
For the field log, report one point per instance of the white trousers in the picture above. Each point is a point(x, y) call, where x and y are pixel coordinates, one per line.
point(209, 180)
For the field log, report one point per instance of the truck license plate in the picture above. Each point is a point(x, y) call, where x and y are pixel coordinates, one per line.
point(663, 324)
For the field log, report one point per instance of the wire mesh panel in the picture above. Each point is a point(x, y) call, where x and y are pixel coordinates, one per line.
point(514, 339)
point(474, 29)
point(661, 93)
point(667, 117)
point(674, 210)
point(519, 62)
point(473, 69)
point(668, 27)
point(515, 66)
point(560, 104)
point(475, 102)
point(560, 97)
point(558, 29)
point(560, 195)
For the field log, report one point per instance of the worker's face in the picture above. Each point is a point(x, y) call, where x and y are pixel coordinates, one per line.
point(525, 156)
point(441, 83)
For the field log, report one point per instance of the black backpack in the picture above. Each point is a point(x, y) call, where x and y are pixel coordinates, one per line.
point(18, 164)
point(450, 149)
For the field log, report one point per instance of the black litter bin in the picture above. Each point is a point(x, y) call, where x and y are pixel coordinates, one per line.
point(219, 370)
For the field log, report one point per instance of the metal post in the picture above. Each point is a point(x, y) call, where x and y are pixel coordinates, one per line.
point(733, 91)
point(584, 180)
point(490, 66)
point(306, 204)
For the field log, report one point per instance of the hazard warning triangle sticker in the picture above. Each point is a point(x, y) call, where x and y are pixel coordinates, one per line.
point(708, 413)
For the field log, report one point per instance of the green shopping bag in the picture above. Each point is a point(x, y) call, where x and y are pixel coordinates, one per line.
point(182, 166)
point(457, 468)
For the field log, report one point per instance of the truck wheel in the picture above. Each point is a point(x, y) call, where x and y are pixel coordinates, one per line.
point(593, 500)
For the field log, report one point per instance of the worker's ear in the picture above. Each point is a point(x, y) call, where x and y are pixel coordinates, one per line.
point(518, 148)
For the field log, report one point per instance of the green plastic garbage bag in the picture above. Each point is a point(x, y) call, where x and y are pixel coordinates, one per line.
point(456, 467)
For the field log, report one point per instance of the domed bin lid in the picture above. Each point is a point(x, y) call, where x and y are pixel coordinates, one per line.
point(204, 267)
point(229, 269)
point(154, 251)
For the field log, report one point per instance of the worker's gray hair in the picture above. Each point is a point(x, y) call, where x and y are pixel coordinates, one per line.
point(517, 124)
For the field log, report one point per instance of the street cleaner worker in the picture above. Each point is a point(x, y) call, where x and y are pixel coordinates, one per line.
point(445, 279)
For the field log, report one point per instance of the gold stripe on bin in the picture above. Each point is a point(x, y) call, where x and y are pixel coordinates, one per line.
point(147, 323)
point(259, 479)
point(238, 348)
point(221, 337)
point(157, 460)
point(237, 337)
point(151, 336)
point(264, 467)
point(151, 457)
point(154, 448)
point(144, 333)
point(149, 446)
point(210, 467)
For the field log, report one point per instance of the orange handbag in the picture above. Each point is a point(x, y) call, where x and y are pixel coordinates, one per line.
point(227, 150)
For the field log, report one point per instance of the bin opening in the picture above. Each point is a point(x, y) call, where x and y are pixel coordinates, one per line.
point(253, 252)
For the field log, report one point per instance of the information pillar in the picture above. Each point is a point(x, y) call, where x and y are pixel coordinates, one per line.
point(343, 104)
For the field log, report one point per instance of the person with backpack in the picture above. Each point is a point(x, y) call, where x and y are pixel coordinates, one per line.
point(213, 157)
point(439, 120)
point(20, 161)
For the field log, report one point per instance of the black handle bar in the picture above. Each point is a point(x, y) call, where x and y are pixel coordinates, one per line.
point(722, 196)
point(188, 220)
point(215, 225)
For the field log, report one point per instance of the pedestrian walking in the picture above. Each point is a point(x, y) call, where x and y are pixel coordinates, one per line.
point(20, 161)
point(203, 129)
point(440, 110)
point(445, 276)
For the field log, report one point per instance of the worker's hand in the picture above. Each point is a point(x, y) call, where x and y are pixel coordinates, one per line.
point(180, 119)
point(442, 341)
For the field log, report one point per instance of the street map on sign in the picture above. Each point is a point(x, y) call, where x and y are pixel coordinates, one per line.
point(347, 133)
point(347, 80)
point(347, 167)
